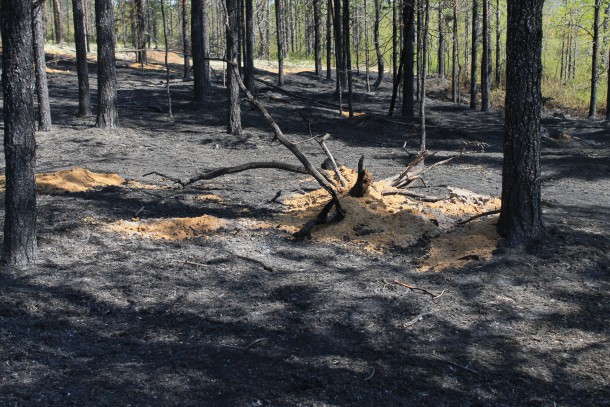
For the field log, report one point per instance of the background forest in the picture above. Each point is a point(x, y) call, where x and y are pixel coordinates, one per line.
point(576, 39)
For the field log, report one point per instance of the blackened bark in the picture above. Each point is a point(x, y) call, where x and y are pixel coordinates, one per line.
point(42, 88)
point(498, 73)
point(422, 78)
point(347, 52)
point(59, 30)
point(186, 46)
point(19, 247)
point(280, 46)
point(339, 51)
point(198, 40)
point(380, 66)
point(473, 56)
point(141, 32)
point(395, 58)
point(317, 21)
point(82, 69)
point(520, 216)
point(486, 59)
point(249, 46)
point(408, 105)
point(608, 93)
point(441, 41)
point(454, 65)
point(594, 58)
point(234, 125)
point(205, 30)
point(107, 115)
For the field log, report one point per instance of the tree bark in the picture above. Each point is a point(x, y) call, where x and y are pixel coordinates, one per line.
point(594, 61)
point(422, 76)
point(107, 115)
point(473, 56)
point(329, 39)
point(280, 47)
point(521, 213)
point(380, 66)
point(59, 30)
point(82, 69)
point(498, 73)
point(186, 46)
point(19, 247)
point(141, 31)
point(441, 41)
point(408, 105)
point(339, 50)
point(200, 40)
point(486, 60)
point(455, 63)
point(42, 88)
point(317, 21)
point(234, 110)
point(249, 46)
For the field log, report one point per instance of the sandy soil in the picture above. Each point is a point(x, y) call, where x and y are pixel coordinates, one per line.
point(225, 308)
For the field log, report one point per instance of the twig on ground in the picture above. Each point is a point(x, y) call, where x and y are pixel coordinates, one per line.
point(369, 377)
point(456, 365)
point(419, 197)
point(480, 215)
point(251, 344)
point(414, 288)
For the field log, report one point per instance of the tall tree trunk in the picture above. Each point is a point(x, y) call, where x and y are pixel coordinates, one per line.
point(441, 41)
point(594, 59)
point(249, 56)
point(498, 78)
point(366, 47)
point(339, 51)
point(107, 116)
point(348, 55)
point(199, 22)
point(408, 57)
point(454, 54)
point(422, 97)
point(167, 90)
point(486, 60)
point(317, 21)
point(82, 69)
point(186, 46)
point(19, 247)
point(395, 24)
point(380, 67)
point(42, 88)
point(329, 38)
point(234, 110)
point(59, 30)
point(473, 56)
point(280, 46)
point(87, 24)
point(520, 216)
point(141, 31)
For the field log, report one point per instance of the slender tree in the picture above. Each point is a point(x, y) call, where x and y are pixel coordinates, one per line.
point(347, 52)
point(280, 46)
point(408, 57)
point(200, 41)
point(107, 115)
point(234, 124)
point(42, 88)
point(441, 40)
point(498, 73)
point(82, 69)
point(454, 54)
point(165, 41)
point(59, 29)
point(249, 47)
point(317, 22)
point(186, 46)
point(521, 214)
point(19, 246)
point(486, 59)
point(376, 40)
point(329, 39)
point(594, 61)
point(140, 31)
point(473, 56)
point(422, 76)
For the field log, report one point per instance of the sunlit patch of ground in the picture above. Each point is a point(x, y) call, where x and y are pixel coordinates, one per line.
point(72, 180)
point(166, 229)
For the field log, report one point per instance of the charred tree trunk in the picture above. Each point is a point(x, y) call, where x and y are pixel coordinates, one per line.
point(380, 66)
point(329, 39)
point(454, 52)
point(234, 124)
point(59, 30)
point(498, 73)
point(200, 35)
point(422, 77)
point(317, 47)
point(395, 78)
point(141, 31)
point(594, 59)
point(167, 90)
point(107, 116)
point(520, 216)
point(339, 51)
point(186, 46)
point(348, 55)
point(408, 91)
point(441, 41)
point(486, 60)
point(249, 46)
point(19, 247)
point(82, 69)
point(473, 56)
point(280, 46)
point(42, 88)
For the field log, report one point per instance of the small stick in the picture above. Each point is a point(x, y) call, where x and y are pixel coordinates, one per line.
point(456, 365)
point(419, 197)
point(369, 377)
point(480, 215)
point(254, 343)
point(332, 159)
point(139, 211)
point(413, 288)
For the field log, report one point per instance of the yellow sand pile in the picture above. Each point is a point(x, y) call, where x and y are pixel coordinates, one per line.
point(380, 222)
point(167, 229)
point(72, 180)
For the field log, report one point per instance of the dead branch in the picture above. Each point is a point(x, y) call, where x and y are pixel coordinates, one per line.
point(414, 288)
point(420, 157)
point(480, 215)
point(321, 219)
point(419, 197)
point(321, 142)
point(407, 182)
point(363, 182)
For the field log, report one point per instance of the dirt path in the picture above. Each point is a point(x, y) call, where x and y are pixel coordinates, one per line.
point(242, 315)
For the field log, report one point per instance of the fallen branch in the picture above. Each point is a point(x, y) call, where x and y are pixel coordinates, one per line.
point(321, 219)
point(456, 365)
point(420, 157)
point(414, 288)
point(294, 95)
point(480, 215)
point(419, 197)
point(321, 142)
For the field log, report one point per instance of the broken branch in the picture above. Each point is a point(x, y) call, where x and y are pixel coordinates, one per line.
point(414, 288)
point(480, 215)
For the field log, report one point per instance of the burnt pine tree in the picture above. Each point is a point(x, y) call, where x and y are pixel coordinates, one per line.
point(197, 45)
point(280, 47)
point(185, 40)
point(594, 58)
point(234, 125)
point(82, 69)
point(520, 216)
point(329, 39)
point(486, 59)
point(59, 30)
point(249, 46)
point(380, 66)
point(19, 247)
point(42, 88)
point(317, 21)
point(408, 58)
point(107, 116)
point(473, 56)
point(140, 31)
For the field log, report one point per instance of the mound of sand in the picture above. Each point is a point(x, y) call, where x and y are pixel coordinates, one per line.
point(72, 180)
point(167, 229)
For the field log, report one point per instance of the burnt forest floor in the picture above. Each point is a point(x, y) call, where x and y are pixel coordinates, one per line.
point(255, 318)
